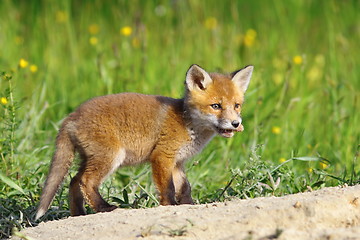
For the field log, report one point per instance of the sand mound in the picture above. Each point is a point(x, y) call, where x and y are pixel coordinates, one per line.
point(330, 213)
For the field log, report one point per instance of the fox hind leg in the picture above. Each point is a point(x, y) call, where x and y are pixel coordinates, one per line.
point(76, 197)
point(89, 182)
point(84, 186)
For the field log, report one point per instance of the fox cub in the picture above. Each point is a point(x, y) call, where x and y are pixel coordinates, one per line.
point(125, 129)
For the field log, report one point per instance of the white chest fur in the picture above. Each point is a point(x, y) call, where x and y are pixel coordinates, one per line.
point(199, 139)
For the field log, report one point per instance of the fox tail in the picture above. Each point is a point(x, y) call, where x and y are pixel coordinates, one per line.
point(61, 162)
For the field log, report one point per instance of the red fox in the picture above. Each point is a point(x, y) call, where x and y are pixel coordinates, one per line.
point(125, 129)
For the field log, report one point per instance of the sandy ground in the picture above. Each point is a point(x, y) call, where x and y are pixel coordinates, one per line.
point(330, 213)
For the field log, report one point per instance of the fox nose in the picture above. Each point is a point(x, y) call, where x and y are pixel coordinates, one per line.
point(235, 123)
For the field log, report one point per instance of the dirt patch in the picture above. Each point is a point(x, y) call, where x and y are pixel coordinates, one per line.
point(330, 213)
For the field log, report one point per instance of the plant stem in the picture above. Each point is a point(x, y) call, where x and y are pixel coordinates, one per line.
point(12, 122)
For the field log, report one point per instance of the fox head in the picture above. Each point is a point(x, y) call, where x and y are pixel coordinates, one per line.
point(214, 100)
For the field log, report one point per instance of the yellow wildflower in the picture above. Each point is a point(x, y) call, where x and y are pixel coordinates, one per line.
point(61, 16)
point(297, 60)
point(94, 29)
point(323, 165)
point(33, 68)
point(23, 63)
point(276, 130)
point(310, 170)
point(210, 23)
point(282, 160)
point(3, 100)
point(93, 40)
point(251, 33)
point(126, 31)
point(250, 37)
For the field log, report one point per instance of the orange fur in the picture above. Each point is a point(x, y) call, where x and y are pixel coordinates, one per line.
point(129, 128)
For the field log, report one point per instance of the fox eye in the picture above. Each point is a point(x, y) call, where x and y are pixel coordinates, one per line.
point(216, 106)
point(237, 106)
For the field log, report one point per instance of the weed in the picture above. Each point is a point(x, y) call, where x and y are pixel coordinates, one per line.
point(8, 126)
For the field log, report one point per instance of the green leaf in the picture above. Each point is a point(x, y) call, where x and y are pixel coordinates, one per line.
point(309, 159)
point(126, 196)
point(11, 183)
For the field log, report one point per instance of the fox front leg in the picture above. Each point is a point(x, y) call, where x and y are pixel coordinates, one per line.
point(182, 185)
point(162, 168)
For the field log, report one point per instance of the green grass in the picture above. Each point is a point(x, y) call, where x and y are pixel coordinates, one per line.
point(301, 116)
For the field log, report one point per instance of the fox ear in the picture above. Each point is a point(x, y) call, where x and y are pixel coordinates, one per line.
point(242, 77)
point(196, 77)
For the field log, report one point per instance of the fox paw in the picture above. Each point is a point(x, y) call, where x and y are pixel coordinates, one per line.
point(107, 208)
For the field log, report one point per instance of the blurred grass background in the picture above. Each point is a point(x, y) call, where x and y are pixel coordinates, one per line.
point(301, 114)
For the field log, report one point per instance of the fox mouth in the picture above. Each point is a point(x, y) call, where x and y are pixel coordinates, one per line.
point(228, 133)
